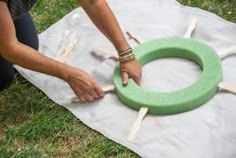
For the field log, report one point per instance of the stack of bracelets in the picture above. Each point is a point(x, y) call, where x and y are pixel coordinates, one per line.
point(126, 55)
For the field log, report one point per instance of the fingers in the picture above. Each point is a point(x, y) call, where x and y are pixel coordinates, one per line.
point(86, 99)
point(94, 94)
point(82, 99)
point(84, 86)
point(125, 78)
point(131, 69)
point(137, 78)
point(90, 95)
point(89, 98)
point(99, 91)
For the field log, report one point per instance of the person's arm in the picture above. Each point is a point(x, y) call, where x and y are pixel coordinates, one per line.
point(12, 50)
point(102, 16)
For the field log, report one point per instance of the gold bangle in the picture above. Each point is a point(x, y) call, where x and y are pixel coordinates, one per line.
point(128, 59)
point(126, 51)
point(131, 57)
point(126, 56)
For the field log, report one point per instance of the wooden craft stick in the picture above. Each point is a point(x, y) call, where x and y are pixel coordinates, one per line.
point(142, 113)
point(66, 50)
point(191, 28)
point(105, 52)
point(106, 89)
point(65, 54)
point(115, 55)
point(227, 52)
point(227, 87)
point(133, 36)
point(75, 99)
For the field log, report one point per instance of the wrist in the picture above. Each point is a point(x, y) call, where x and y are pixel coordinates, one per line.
point(121, 45)
point(65, 72)
point(126, 55)
point(128, 61)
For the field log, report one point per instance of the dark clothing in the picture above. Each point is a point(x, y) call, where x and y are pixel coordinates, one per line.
point(6, 73)
point(18, 8)
point(26, 34)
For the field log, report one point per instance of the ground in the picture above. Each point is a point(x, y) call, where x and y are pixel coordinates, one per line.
point(33, 126)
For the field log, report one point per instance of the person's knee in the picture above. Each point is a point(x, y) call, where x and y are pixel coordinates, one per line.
point(6, 73)
point(6, 80)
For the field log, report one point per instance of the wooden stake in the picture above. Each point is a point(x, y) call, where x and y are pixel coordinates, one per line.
point(142, 113)
point(227, 87)
point(66, 50)
point(115, 55)
point(227, 52)
point(191, 28)
point(105, 52)
point(106, 89)
point(133, 36)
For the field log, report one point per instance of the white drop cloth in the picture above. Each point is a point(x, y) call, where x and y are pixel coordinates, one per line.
point(206, 132)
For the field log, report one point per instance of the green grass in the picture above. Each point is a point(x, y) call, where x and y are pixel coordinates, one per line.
point(33, 126)
point(223, 8)
point(46, 13)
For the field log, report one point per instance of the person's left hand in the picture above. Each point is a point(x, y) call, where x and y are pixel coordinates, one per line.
point(131, 69)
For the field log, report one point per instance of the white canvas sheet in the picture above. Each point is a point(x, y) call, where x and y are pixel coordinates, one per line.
point(206, 132)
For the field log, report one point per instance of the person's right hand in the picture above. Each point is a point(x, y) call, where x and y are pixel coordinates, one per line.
point(83, 85)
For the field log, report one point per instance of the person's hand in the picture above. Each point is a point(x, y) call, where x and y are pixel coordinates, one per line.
point(83, 85)
point(131, 69)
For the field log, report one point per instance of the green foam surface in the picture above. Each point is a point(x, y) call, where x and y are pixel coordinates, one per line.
point(181, 100)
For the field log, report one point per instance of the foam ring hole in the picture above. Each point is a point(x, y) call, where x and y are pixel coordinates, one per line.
point(171, 55)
